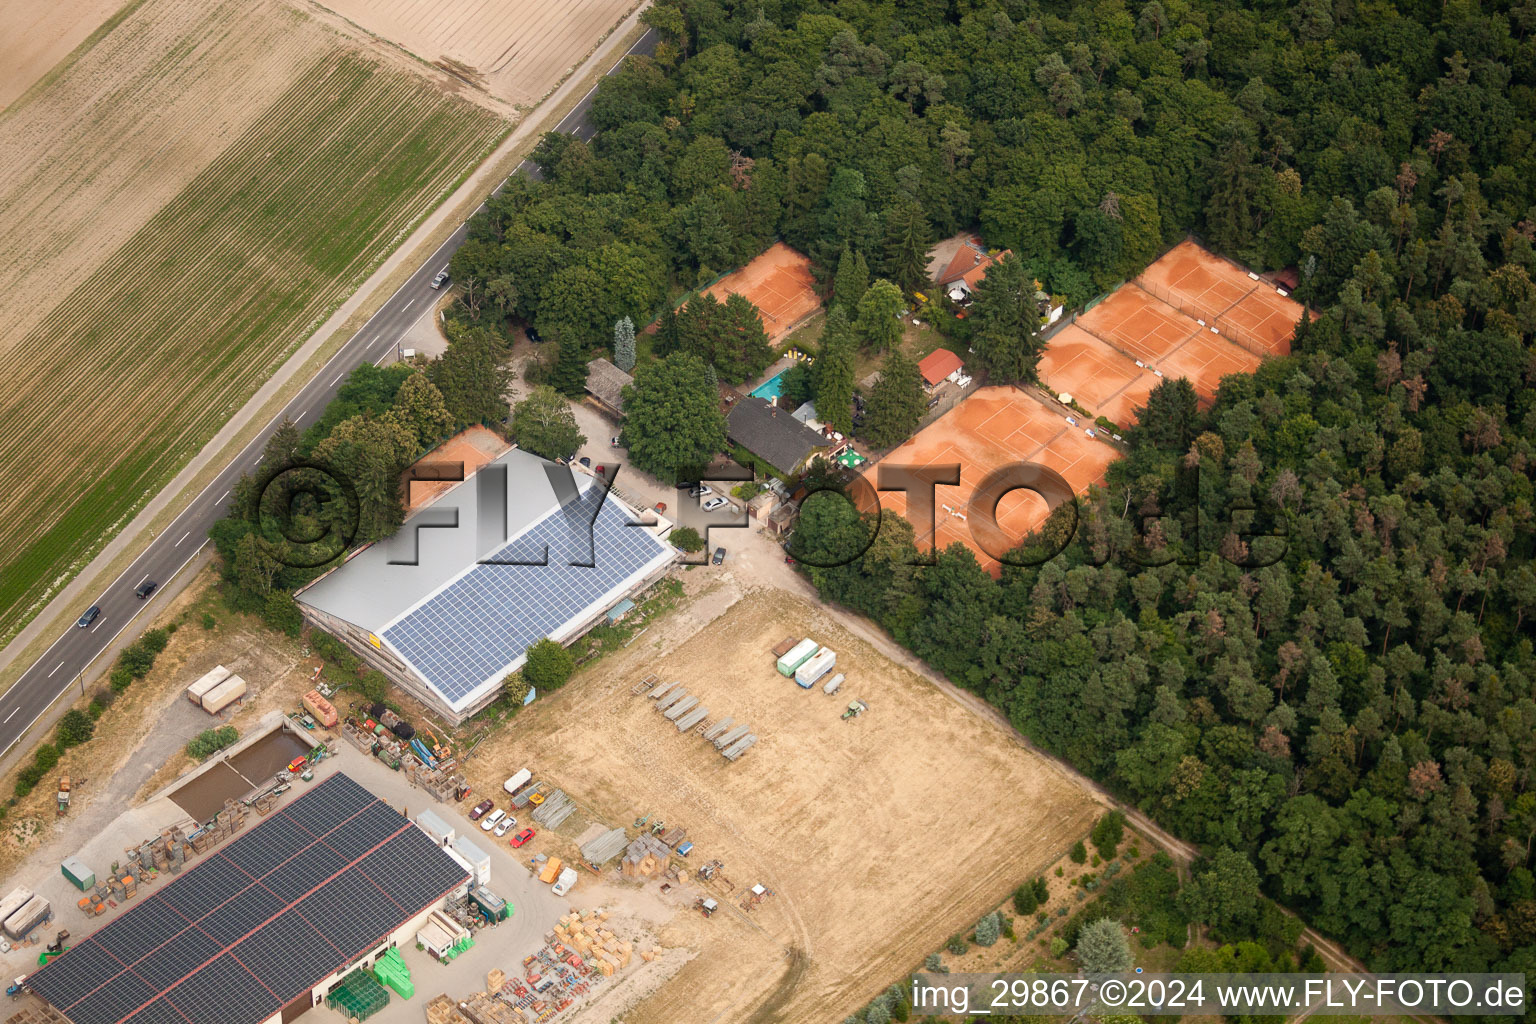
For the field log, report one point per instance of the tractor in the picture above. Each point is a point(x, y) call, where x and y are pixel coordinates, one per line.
point(855, 709)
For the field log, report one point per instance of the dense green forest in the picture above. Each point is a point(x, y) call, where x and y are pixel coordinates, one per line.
point(1358, 718)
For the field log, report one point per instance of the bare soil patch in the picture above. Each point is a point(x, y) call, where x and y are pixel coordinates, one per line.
point(35, 37)
point(875, 835)
point(517, 55)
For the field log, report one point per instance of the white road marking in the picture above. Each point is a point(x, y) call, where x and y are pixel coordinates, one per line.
point(141, 582)
point(301, 416)
point(408, 305)
point(221, 497)
point(55, 669)
point(338, 377)
point(99, 621)
point(182, 538)
point(13, 713)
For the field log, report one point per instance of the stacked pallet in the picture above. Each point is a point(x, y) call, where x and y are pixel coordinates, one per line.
point(740, 747)
point(692, 719)
point(646, 857)
point(719, 728)
point(672, 698)
point(604, 848)
point(596, 944)
point(681, 708)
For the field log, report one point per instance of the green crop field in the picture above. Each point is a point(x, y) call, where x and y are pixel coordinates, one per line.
point(141, 361)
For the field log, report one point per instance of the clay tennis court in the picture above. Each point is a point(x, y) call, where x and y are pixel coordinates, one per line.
point(1101, 379)
point(993, 428)
point(1168, 343)
point(779, 284)
point(1208, 288)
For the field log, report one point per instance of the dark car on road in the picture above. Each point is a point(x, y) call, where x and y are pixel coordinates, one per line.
point(145, 589)
point(719, 556)
point(90, 616)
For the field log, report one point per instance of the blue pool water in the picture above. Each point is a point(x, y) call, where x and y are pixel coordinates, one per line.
point(768, 390)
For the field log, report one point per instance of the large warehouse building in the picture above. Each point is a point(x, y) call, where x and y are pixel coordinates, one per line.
point(525, 549)
point(263, 929)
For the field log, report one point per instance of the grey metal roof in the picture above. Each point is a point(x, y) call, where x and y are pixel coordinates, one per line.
point(773, 434)
point(426, 593)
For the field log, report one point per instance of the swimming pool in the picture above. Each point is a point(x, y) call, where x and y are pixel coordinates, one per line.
point(770, 388)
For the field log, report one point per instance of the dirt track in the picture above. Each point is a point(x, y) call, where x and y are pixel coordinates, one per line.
point(869, 832)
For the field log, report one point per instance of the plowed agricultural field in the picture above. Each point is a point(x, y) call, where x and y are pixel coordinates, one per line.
point(185, 200)
point(515, 50)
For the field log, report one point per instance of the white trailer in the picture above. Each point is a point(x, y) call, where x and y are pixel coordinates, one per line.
point(796, 656)
point(223, 695)
point(441, 832)
point(207, 682)
point(817, 666)
point(518, 781)
point(476, 857)
point(17, 899)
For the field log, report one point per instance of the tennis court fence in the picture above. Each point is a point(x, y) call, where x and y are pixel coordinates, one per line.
point(1232, 332)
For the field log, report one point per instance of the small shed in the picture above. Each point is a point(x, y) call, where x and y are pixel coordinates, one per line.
point(606, 384)
point(620, 610)
point(80, 876)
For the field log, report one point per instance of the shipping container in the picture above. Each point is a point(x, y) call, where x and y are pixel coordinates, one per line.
point(797, 656)
point(80, 876)
point(477, 857)
point(518, 781)
point(492, 907)
point(207, 682)
point(223, 695)
point(441, 832)
point(816, 667)
point(323, 710)
point(15, 901)
point(19, 924)
point(551, 870)
point(469, 869)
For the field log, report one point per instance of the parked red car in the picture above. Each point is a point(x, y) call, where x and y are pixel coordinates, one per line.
point(523, 836)
point(481, 809)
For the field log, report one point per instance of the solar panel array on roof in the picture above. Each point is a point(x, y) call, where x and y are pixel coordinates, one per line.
point(258, 923)
point(483, 622)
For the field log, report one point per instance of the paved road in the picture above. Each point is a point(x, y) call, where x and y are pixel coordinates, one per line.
point(61, 665)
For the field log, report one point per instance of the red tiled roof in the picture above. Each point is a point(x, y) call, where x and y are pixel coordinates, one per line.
point(938, 364)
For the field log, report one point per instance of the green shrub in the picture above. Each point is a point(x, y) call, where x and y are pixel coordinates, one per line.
point(1079, 853)
point(333, 650)
point(74, 729)
point(988, 929)
point(120, 679)
point(1024, 901)
point(1058, 946)
point(209, 622)
point(957, 945)
point(686, 538)
point(933, 962)
point(137, 659)
point(154, 640)
point(95, 708)
point(47, 757)
point(210, 741)
point(1042, 890)
point(281, 612)
point(374, 686)
point(1107, 833)
point(548, 666)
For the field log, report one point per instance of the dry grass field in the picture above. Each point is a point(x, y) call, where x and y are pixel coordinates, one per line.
point(515, 51)
point(187, 197)
point(880, 837)
point(37, 36)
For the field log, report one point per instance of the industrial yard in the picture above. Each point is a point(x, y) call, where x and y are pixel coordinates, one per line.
point(815, 812)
